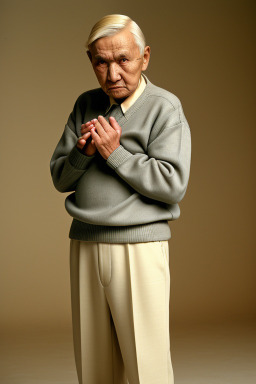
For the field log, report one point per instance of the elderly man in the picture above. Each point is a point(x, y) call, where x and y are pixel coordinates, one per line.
point(125, 156)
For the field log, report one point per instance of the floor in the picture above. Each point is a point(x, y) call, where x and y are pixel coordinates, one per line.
point(201, 354)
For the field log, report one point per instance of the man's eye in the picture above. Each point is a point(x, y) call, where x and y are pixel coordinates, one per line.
point(123, 60)
point(100, 62)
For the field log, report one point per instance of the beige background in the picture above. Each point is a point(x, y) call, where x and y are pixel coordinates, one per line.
point(201, 51)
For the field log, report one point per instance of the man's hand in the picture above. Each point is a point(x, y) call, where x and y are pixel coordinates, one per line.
point(107, 137)
point(85, 142)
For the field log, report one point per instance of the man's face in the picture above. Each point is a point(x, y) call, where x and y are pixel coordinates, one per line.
point(118, 64)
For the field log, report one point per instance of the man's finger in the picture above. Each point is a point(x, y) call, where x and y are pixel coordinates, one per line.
point(81, 143)
point(99, 128)
point(95, 136)
point(85, 135)
point(82, 140)
point(87, 128)
point(86, 124)
point(104, 123)
point(115, 125)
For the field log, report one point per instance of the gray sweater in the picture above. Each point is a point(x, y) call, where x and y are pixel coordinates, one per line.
point(131, 196)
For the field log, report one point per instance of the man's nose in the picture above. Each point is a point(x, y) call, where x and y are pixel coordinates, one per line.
point(114, 72)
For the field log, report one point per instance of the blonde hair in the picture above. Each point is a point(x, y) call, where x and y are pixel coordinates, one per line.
point(111, 24)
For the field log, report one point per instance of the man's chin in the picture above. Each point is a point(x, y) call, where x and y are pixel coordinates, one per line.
point(118, 93)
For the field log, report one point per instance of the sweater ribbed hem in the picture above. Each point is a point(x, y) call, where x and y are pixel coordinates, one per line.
point(118, 156)
point(78, 159)
point(120, 234)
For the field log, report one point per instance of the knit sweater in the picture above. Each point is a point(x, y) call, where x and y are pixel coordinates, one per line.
point(131, 196)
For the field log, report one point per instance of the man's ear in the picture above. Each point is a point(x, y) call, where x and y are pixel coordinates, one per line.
point(89, 55)
point(146, 57)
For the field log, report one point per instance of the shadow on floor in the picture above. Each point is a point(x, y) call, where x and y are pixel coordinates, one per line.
point(201, 354)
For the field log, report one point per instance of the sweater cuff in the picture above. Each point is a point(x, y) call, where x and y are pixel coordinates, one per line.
point(118, 156)
point(78, 160)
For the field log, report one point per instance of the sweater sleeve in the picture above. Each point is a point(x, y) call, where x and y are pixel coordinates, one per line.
point(68, 163)
point(162, 173)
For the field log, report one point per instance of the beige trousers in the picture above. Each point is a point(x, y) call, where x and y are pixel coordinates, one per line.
point(120, 312)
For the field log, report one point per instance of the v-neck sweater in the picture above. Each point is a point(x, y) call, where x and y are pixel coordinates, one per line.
point(131, 196)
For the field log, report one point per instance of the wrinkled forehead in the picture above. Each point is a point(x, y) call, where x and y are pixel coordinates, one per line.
point(116, 46)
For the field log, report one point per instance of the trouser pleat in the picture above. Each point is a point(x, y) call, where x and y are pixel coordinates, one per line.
point(120, 312)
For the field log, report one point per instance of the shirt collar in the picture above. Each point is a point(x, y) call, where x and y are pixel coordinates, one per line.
point(127, 103)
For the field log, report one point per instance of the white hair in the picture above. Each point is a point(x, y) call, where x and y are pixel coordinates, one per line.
point(111, 24)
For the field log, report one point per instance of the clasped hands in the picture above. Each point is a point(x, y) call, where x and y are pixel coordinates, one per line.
point(98, 134)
